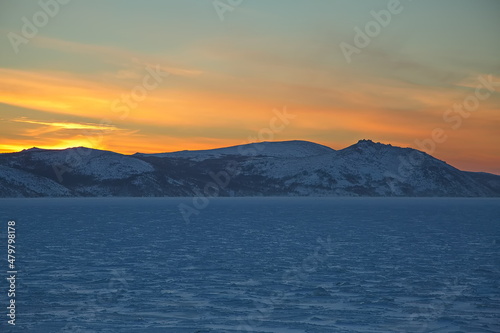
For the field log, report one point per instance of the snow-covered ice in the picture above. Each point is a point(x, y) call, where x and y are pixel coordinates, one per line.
point(286, 265)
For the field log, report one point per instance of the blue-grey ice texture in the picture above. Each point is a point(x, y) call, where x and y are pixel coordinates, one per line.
point(255, 265)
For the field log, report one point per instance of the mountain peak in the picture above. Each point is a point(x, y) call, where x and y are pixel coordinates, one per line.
point(369, 142)
point(367, 146)
point(281, 149)
point(33, 149)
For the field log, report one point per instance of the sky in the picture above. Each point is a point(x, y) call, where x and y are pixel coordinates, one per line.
point(165, 75)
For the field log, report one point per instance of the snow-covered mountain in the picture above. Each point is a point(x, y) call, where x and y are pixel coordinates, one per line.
point(289, 168)
point(283, 149)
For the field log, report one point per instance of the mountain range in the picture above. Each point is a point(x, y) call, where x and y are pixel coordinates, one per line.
point(288, 168)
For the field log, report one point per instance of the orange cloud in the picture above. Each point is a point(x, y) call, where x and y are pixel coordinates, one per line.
point(66, 125)
point(379, 109)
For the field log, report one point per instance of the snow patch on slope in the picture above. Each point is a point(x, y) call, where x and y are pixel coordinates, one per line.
point(18, 183)
point(100, 164)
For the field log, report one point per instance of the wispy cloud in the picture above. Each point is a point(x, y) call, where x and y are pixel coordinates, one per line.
point(115, 56)
point(68, 125)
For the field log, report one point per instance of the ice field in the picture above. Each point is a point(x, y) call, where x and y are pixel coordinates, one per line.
point(254, 265)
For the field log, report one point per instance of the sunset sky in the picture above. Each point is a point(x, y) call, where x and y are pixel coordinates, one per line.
point(166, 75)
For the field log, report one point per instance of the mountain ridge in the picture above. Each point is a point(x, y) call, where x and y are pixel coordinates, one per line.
point(283, 168)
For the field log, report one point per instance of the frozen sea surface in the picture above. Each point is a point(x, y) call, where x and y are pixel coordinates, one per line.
point(255, 265)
